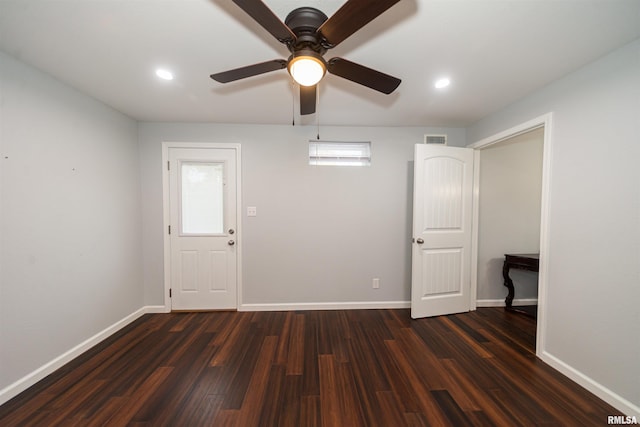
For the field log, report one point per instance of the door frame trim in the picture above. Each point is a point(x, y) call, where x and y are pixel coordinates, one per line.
point(544, 121)
point(166, 213)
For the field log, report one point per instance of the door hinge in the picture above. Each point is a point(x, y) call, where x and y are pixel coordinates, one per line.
point(169, 292)
point(169, 229)
point(168, 165)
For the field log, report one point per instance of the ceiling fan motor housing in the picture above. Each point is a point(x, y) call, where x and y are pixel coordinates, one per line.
point(304, 22)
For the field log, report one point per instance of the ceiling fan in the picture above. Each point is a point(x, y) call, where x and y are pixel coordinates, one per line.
point(308, 34)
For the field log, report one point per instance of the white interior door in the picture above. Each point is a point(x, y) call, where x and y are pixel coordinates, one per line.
point(442, 230)
point(203, 228)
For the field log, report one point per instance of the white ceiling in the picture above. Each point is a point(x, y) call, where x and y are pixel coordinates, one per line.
point(495, 52)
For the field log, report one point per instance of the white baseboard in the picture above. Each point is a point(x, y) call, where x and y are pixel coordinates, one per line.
point(32, 378)
point(613, 399)
point(500, 302)
point(156, 309)
point(325, 306)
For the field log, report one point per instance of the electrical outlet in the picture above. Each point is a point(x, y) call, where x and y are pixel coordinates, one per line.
point(252, 211)
point(376, 283)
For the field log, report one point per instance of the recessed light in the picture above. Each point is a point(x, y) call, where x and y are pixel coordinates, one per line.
point(164, 74)
point(442, 83)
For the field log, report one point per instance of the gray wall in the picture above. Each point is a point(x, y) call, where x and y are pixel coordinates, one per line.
point(70, 216)
point(322, 233)
point(510, 195)
point(593, 316)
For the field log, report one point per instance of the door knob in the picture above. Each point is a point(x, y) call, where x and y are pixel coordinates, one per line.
point(231, 231)
point(231, 242)
point(419, 241)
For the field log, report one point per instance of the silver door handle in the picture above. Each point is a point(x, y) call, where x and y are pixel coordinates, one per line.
point(231, 242)
point(419, 241)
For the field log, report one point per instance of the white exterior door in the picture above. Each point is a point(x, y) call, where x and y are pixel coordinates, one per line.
point(203, 228)
point(442, 230)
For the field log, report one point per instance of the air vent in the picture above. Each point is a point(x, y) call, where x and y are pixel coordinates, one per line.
point(435, 139)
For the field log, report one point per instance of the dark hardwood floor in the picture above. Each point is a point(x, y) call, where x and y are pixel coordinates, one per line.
point(311, 368)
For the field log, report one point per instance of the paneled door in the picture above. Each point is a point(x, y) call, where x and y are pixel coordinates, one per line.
point(442, 230)
point(203, 228)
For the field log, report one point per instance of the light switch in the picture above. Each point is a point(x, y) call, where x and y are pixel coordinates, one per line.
point(252, 211)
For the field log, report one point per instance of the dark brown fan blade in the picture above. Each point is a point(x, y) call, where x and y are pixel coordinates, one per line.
point(265, 17)
point(365, 76)
point(249, 71)
point(307, 99)
point(352, 16)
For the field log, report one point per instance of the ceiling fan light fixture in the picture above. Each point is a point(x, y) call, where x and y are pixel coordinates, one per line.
point(307, 68)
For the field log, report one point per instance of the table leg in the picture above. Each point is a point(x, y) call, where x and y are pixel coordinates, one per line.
point(508, 283)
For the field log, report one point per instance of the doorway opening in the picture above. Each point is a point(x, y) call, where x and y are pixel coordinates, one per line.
point(511, 215)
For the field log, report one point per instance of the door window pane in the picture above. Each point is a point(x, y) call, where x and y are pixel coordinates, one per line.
point(202, 193)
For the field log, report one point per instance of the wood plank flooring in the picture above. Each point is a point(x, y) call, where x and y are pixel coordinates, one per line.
point(311, 368)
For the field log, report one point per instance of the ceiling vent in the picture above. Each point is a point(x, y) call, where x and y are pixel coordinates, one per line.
point(435, 139)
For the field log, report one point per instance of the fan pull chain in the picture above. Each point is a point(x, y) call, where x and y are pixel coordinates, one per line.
point(293, 103)
point(318, 110)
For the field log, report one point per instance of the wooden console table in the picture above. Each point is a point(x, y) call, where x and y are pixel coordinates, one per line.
point(530, 262)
